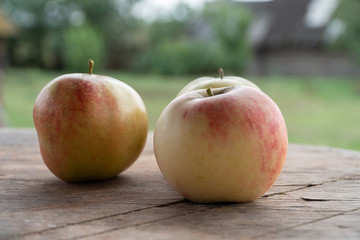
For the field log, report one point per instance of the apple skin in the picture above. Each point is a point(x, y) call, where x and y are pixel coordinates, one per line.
point(206, 82)
point(230, 147)
point(90, 127)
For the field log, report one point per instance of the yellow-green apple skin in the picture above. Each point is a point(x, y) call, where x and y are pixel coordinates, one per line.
point(230, 147)
point(206, 82)
point(90, 127)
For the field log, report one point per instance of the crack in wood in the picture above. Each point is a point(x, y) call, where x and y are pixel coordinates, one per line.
point(316, 199)
point(133, 225)
point(98, 219)
point(208, 206)
point(306, 223)
point(202, 210)
point(312, 185)
point(172, 203)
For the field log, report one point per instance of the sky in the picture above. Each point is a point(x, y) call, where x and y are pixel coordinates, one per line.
point(149, 10)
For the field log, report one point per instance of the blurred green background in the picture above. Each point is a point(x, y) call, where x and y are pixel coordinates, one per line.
point(309, 65)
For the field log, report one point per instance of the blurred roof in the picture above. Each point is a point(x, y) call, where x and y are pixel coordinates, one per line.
point(290, 23)
point(7, 28)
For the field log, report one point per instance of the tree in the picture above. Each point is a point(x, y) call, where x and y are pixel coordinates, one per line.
point(348, 15)
point(200, 42)
point(45, 25)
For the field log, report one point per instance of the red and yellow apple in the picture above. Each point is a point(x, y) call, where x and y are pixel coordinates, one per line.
point(206, 82)
point(90, 127)
point(221, 145)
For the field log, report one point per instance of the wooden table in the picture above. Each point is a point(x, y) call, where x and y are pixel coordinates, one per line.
point(317, 196)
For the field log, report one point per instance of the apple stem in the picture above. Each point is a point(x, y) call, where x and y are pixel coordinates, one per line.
point(221, 72)
point(91, 66)
point(210, 92)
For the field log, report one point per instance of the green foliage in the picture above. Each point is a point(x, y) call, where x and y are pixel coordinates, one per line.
point(183, 47)
point(80, 44)
point(182, 56)
point(230, 24)
point(348, 14)
point(43, 30)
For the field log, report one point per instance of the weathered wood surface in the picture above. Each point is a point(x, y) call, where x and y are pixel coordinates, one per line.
point(317, 196)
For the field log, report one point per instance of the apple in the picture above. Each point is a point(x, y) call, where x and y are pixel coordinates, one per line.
point(206, 82)
point(90, 127)
point(222, 145)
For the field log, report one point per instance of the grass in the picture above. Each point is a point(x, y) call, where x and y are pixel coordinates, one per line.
point(320, 111)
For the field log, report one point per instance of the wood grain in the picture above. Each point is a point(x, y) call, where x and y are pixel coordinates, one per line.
point(317, 196)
